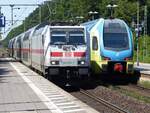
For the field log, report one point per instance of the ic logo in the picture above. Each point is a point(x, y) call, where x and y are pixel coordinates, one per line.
point(66, 48)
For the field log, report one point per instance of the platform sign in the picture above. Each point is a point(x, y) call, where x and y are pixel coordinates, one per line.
point(2, 21)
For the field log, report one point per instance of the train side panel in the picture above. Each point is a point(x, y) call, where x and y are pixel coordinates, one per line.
point(95, 47)
point(26, 47)
point(37, 49)
point(41, 49)
point(10, 47)
point(17, 47)
point(25, 51)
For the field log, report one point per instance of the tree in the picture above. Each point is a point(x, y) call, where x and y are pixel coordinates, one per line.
point(67, 10)
point(142, 2)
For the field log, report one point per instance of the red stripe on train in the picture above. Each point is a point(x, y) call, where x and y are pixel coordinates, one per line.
point(35, 51)
point(56, 54)
point(79, 54)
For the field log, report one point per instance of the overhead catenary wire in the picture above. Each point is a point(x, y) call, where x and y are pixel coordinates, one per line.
point(4, 31)
point(20, 5)
point(49, 9)
point(11, 27)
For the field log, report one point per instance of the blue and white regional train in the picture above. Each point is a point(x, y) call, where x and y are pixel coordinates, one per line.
point(53, 50)
point(111, 46)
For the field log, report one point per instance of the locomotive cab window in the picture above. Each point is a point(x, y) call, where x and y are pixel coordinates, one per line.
point(76, 37)
point(58, 37)
point(94, 43)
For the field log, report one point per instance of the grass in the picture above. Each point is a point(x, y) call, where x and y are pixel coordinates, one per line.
point(145, 84)
point(132, 94)
point(144, 49)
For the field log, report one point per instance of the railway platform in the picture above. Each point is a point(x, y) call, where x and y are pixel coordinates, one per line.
point(24, 91)
point(144, 68)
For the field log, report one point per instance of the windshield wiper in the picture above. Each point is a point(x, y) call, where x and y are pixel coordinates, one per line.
point(57, 43)
point(78, 43)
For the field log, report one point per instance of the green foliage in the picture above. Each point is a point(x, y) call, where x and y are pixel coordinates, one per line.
point(145, 84)
point(144, 49)
point(68, 10)
point(133, 94)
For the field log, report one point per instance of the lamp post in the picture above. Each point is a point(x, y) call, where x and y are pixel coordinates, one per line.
point(79, 18)
point(40, 14)
point(12, 9)
point(137, 52)
point(145, 26)
point(111, 6)
point(93, 13)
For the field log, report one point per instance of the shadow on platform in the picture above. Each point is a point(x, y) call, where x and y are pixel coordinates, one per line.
point(4, 70)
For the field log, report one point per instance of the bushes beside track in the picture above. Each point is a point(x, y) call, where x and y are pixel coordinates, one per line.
point(144, 49)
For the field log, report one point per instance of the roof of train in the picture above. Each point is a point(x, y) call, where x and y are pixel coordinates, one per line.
point(67, 27)
point(89, 25)
point(115, 20)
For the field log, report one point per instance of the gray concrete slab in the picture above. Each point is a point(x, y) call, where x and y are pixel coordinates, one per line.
point(24, 91)
point(51, 94)
point(15, 94)
point(144, 68)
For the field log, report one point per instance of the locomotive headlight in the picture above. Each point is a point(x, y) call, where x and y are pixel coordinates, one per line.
point(54, 62)
point(81, 62)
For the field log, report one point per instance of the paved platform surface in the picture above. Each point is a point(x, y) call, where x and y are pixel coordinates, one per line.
point(144, 68)
point(15, 95)
point(24, 91)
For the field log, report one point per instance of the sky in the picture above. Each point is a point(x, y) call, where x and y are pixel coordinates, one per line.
point(18, 14)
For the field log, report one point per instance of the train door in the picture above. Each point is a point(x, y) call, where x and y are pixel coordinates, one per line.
point(94, 53)
point(30, 52)
point(41, 44)
point(12, 49)
point(18, 56)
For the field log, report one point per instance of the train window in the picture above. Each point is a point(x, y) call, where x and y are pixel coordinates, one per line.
point(115, 36)
point(38, 31)
point(114, 26)
point(43, 39)
point(26, 36)
point(94, 43)
point(116, 41)
point(76, 37)
point(58, 37)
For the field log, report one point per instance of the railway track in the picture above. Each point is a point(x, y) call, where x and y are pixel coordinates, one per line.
point(104, 102)
point(141, 88)
point(147, 76)
point(131, 89)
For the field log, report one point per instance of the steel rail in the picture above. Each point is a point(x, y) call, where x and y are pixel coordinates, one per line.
point(145, 75)
point(140, 87)
point(104, 102)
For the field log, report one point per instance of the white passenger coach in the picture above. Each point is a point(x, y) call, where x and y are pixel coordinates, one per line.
point(53, 50)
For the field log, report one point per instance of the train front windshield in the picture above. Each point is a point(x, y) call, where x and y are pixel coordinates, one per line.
point(76, 38)
point(115, 36)
point(69, 37)
point(58, 37)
